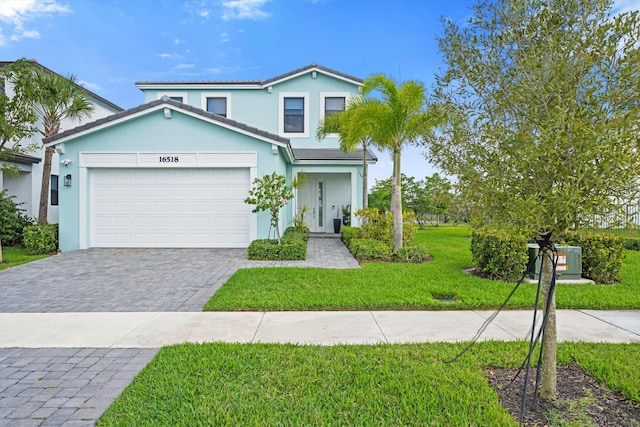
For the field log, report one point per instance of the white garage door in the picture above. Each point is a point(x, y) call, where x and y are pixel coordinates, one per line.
point(169, 208)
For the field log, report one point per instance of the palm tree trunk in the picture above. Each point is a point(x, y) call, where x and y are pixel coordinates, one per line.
point(365, 184)
point(396, 201)
point(548, 385)
point(44, 190)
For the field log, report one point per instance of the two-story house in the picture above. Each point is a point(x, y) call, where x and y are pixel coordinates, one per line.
point(174, 172)
point(26, 185)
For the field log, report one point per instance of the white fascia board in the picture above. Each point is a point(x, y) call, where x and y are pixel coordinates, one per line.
point(330, 162)
point(197, 86)
point(318, 70)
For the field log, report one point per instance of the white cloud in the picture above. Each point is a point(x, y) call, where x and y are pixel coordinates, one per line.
point(184, 66)
point(224, 38)
point(17, 12)
point(178, 41)
point(244, 9)
point(90, 86)
point(165, 55)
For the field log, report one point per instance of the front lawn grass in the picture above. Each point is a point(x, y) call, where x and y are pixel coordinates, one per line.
point(12, 256)
point(291, 385)
point(389, 286)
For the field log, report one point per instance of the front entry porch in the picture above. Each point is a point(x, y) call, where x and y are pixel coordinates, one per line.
point(324, 195)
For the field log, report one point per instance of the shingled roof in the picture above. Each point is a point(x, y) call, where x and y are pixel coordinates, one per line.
point(18, 157)
point(331, 154)
point(257, 83)
point(176, 104)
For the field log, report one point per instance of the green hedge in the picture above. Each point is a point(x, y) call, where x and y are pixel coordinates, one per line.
point(379, 226)
point(41, 239)
point(500, 254)
point(412, 253)
point(602, 254)
point(370, 250)
point(13, 221)
point(292, 247)
point(350, 233)
point(632, 244)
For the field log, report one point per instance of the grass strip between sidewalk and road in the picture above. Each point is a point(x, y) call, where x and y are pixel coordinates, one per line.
point(437, 285)
point(285, 384)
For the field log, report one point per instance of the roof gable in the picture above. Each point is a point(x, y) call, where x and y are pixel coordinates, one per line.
point(250, 84)
point(167, 103)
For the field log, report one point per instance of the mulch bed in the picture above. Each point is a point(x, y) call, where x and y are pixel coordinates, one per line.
point(580, 401)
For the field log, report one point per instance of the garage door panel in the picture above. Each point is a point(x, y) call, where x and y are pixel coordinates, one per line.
point(169, 208)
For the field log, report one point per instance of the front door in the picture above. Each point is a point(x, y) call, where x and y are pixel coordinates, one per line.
point(313, 196)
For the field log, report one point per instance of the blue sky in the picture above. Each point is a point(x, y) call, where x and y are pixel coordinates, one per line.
point(110, 44)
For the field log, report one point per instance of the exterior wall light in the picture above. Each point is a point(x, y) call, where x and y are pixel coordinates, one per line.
point(67, 180)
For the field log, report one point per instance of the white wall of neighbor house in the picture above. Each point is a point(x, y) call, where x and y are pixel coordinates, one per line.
point(30, 195)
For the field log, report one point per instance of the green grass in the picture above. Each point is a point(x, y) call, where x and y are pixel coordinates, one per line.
point(12, 256)
point(291, 385)
point(386, 286)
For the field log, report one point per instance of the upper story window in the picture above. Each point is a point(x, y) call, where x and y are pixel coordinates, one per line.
point(174, 96)
point(334, 104)
point(294, 115)
point(217, 105)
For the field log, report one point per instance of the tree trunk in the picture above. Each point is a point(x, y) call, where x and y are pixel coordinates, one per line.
point(396, 201)
point(1, 251)
point(44, 190)
point(550, 337)
point(365, 183)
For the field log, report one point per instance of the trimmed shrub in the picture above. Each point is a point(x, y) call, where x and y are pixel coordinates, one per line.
point(379, 226)
point(370, 250)
point(500, 254)
point(295, 232)
point(602, 254)
point(350, 233)
point(292, 247)
point(41, 239)
point(412, 253)
point(13, 220)
point(632, 244)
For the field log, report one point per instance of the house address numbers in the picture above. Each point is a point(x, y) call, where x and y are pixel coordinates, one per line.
point(169, 159)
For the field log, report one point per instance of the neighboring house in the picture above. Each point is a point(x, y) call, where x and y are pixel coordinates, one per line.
point(174, 172)
point(26, 185)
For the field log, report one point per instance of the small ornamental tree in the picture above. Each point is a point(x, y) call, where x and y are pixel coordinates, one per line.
point(271, 193)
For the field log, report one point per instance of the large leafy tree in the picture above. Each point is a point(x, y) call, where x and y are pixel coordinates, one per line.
point(544, 114)
point(17, 118)
point(58, 98)
point(390, 115)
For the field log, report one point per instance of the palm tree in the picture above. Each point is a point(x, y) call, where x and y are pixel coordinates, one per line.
point(397, 115)
point(354, 133)
point(58, 98)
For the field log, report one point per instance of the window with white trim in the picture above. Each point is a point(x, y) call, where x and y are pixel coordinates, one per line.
point(176, 96)
point(218, 103)
point(294, 114)
point(334, 104)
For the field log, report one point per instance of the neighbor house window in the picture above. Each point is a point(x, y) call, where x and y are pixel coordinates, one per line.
point(54, 190)
point(294, 115)
point(334, 104)
point(177, 98)
point(217, 105)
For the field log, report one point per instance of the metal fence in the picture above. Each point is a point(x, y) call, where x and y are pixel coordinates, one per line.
point(630, 217)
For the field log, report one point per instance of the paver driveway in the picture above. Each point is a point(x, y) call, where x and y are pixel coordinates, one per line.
point(139, 279)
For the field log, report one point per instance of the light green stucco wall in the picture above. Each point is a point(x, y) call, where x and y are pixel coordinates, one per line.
point(152, 132)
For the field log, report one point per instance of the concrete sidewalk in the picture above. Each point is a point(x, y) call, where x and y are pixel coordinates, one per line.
point(157, 329)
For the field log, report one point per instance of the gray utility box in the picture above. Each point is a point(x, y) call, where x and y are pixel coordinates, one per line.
point(569, 265)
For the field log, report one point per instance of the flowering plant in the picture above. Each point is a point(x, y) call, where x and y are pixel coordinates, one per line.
point(270, 193)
